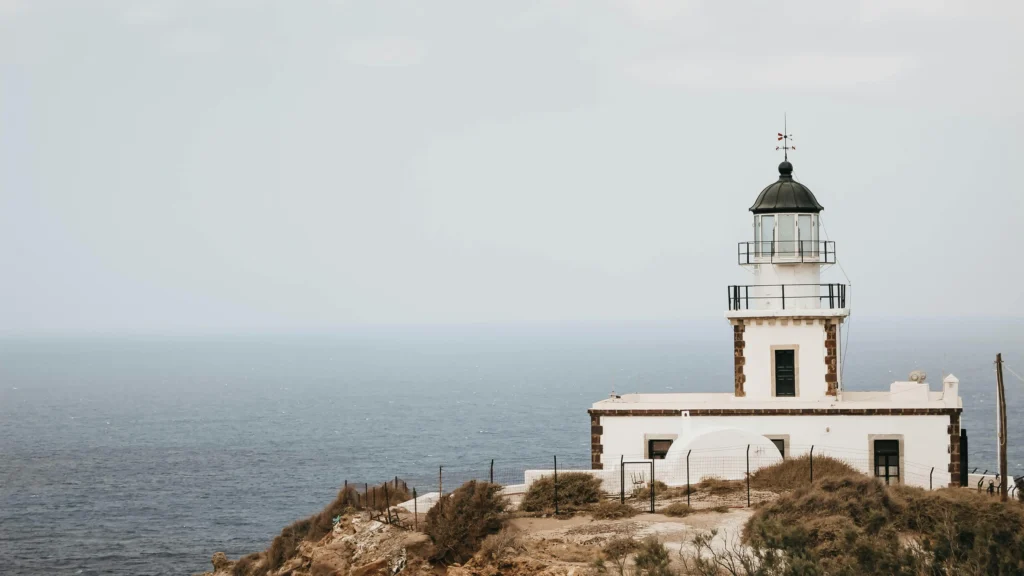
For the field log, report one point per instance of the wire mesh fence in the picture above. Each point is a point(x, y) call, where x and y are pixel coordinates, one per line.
point(731, 477)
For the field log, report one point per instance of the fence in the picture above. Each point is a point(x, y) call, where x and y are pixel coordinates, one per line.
point(721, 477)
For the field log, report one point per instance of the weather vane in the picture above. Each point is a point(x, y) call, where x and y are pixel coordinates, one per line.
point(785, 137)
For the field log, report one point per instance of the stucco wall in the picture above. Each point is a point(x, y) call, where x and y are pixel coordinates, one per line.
point(808, 337)
point(924, 439)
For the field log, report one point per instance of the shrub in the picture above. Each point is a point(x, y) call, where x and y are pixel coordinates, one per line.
point(246, 565)
point(575, 489)
point(717, 486)
point(612, 510)
point(461, 520)
point(501, 545)
point(644, 492)
point(652, 558)
point(677, 509)
point(617, 551)
point(792, 473)
point(854, 525)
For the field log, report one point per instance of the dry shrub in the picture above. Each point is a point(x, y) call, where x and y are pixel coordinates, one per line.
point(858, 525)
point(718, 487)
point(677, 509)
point(250, 565)
point(644, 492)
point(286, 544)
point(461, 520)
point(575, 490)
point(720, 509)
point(501, 545)
point(792, 473)
point(612, 510)
point(616, 551)
point(652, 558)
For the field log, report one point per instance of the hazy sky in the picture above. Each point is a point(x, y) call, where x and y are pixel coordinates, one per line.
point(195, 166)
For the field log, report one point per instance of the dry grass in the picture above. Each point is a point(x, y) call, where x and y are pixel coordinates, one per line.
point(612, 510)
point(286, 544)
point(501, 545)
point(719, 487)
point(793, 473)
point(460, 521)
point(575, 490)
point(677, 509)
point(250, 565)
point(856, 524)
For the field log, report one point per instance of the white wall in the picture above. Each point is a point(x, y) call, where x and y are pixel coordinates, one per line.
point(925, 441)
point(792, 274)
point(759, 338)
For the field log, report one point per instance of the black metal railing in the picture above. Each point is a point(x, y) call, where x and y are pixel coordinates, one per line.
point(823, 252)
point(830, 296)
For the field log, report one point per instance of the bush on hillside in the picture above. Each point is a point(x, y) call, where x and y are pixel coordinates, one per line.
point(501, 545)
point(461, 520)
point(858, 525)
point(792, 473)
point(612, 510)
point(575, 490)
point(652, 558)
point(286, 544)
point(718, 487)
point(677, 510)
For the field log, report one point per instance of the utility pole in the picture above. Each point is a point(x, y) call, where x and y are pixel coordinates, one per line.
point(1003, 468)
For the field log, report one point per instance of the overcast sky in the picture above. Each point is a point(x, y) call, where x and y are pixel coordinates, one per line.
point(220, 166)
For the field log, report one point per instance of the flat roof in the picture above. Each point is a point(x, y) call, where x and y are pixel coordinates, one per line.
point(727, 400)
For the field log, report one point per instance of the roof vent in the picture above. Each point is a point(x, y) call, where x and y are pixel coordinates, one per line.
point(918, 376)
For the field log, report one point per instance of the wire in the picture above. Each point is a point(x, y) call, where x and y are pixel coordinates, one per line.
point(1017, 376)
point(849, 322)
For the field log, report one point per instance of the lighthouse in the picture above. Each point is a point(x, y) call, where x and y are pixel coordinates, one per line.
point(787, 324)
point(787, 397)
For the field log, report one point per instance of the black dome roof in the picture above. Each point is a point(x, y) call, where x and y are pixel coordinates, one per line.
point(786, 195)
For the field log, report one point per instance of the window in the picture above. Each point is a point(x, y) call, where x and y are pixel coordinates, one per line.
point(658, 449)
point(807, 245)
point(787, 235)
point(784, 377)
point(887, 460)
point(767, 235)
point(781, 445)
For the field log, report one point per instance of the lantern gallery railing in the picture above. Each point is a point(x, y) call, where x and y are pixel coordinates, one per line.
point(767, 252)
point(787, 296)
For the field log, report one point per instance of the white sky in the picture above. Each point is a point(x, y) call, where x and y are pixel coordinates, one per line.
point(211, 166)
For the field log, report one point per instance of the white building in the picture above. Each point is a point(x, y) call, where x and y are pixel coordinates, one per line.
point(788, 395)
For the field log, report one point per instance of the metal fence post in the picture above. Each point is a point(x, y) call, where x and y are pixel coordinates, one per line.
point(556, 485)
point(492, 470)
point(440, 482)
point(415, 511)
point(812, 463)
point(688, 476)
point(748, 475)
point(652, 485)
point(930, 478)
point(622, 481)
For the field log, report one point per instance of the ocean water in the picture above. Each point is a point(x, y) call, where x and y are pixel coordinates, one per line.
point(147, 455)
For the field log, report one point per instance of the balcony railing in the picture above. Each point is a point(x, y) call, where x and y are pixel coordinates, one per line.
point(787, 297)
point(786, 251)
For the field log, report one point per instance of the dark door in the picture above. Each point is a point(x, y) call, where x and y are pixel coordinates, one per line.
point(887, 460)
point(785, 373)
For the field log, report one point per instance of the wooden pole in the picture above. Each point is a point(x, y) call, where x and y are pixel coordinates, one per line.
point(1003, 468)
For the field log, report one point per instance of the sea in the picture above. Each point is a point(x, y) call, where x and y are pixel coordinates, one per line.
point(134, 455)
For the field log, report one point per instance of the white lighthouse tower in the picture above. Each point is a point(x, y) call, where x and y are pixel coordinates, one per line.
point(787, 324)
